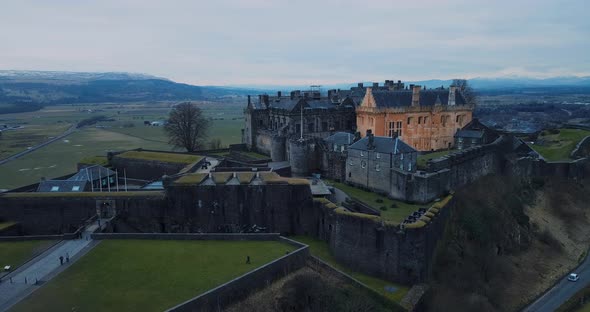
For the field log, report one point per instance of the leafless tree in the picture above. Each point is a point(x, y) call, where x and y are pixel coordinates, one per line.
point(467, 91)
point(187, 127)
point(215, 143)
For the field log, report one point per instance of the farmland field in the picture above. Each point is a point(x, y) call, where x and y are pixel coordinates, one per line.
point(124, 130)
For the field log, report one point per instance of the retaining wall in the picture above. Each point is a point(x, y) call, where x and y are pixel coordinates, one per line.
point(239, 288)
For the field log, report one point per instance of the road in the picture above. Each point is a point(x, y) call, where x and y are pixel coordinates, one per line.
point(34, 148)
point(20, 283)
point(562, 291)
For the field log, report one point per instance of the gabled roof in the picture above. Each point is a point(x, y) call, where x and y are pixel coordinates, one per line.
point(62, 186)
point(341, 138)
point(471, 134)
point(383, 145)
point(404, 98)
point(92, 173)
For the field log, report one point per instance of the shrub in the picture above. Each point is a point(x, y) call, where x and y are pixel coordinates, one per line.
point(383, 208)
point(554, 131)
point(393, 205)
point(547, 238)
point(379, 200)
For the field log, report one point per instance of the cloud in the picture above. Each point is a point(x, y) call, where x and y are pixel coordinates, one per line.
point(297, 42)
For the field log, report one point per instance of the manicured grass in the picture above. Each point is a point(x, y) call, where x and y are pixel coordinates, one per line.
point(17, 253)
point(95, 160)
point(159, 156)
point(7, 224)
point(558, 147)
point(255, 155)
point(321, 250)
point(395, 215)
point(16, 141)
point(423, 159)
point(149, 275)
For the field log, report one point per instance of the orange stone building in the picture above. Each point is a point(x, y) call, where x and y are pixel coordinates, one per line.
point(427, 120)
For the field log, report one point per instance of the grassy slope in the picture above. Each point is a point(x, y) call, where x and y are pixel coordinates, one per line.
point(396, 215)
point(559, 146)
point(15, 141)
point(140, 275)
point(423, 159)
point(17, 253)
point(321, 250)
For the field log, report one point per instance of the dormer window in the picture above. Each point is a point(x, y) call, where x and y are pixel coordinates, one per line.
point(75, 188)
point(377, 155)
point(55, 188)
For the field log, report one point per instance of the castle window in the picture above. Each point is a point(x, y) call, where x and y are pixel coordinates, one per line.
point(399, 128)
point(426, 120)
point(55, 188)
point(297, 128)
point(410, 167)
point(371, 121)
point(410, 119)
point(420, 120)
point(362, 154)
point(351, 163)
point(324, 126)
point(391, 131)
point(402, 156)
point(310, 127)
point(363, 164)
point(377, 155)
point(377, 167)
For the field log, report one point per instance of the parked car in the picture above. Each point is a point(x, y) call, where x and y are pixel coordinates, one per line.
point(573, 277)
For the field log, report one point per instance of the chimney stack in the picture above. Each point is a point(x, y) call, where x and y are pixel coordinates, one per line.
point(375, 85)
point(248, 99)
point(360, 85)
point(452, 91)
point(371, 143)
point(279, 94)
point(415, 95)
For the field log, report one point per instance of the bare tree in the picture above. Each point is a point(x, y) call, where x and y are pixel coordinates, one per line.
point(187, 127)
point(467, 91)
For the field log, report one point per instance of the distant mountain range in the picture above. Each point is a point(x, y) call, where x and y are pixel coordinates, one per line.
point(30, 90)
point(477, 83)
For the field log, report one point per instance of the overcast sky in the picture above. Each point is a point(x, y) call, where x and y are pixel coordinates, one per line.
point(223, 42)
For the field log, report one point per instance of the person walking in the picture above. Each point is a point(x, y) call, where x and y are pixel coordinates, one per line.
point(61, 260)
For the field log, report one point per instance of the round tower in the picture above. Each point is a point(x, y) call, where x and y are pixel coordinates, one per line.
point(298, 150)
point(278, 148)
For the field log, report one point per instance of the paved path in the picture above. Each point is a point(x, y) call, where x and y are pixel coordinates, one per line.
point(34, 148)
point(562, 291)
point(43, 268)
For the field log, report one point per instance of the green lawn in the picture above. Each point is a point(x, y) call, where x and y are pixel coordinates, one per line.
point(559, 146)
point(321, 250)
point(255, 155)
point(423, 159)
point(148, 275)
point(17, 253)
point(15, 141)
point(395, 215)
point(159, 156)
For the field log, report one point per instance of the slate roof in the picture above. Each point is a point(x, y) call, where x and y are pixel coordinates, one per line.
point(62, 186)
point(93, 172)
point(404, 98)
point(383, 145)
point(290, 104)
point(341, 138)
point(471, 134)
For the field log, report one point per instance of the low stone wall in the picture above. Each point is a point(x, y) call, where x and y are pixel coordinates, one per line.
point(239, 288)
point(582, 149)
point(189, 236)
point(33, 237)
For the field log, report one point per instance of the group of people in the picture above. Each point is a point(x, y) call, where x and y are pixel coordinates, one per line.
point(61, 259)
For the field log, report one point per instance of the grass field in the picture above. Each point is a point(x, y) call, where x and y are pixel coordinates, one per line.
point(423, 159)
point(17, 253)
point(143, 275)
point(321, 250)
point(395, 215)
point(559, 146)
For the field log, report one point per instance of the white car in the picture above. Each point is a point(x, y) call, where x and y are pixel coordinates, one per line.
point(573, 277)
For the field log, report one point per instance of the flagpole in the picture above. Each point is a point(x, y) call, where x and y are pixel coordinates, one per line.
point(117, 177)
point(125, 174)
point(99, 179)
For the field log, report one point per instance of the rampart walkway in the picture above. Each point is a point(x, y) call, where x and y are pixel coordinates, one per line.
point(29, 277)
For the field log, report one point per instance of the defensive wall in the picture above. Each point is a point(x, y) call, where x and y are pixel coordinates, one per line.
point(58, 213)
point(367, 243)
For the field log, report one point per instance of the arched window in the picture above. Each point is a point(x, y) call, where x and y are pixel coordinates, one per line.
point(410, 120)
point(426, 120)
point(420, 120)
